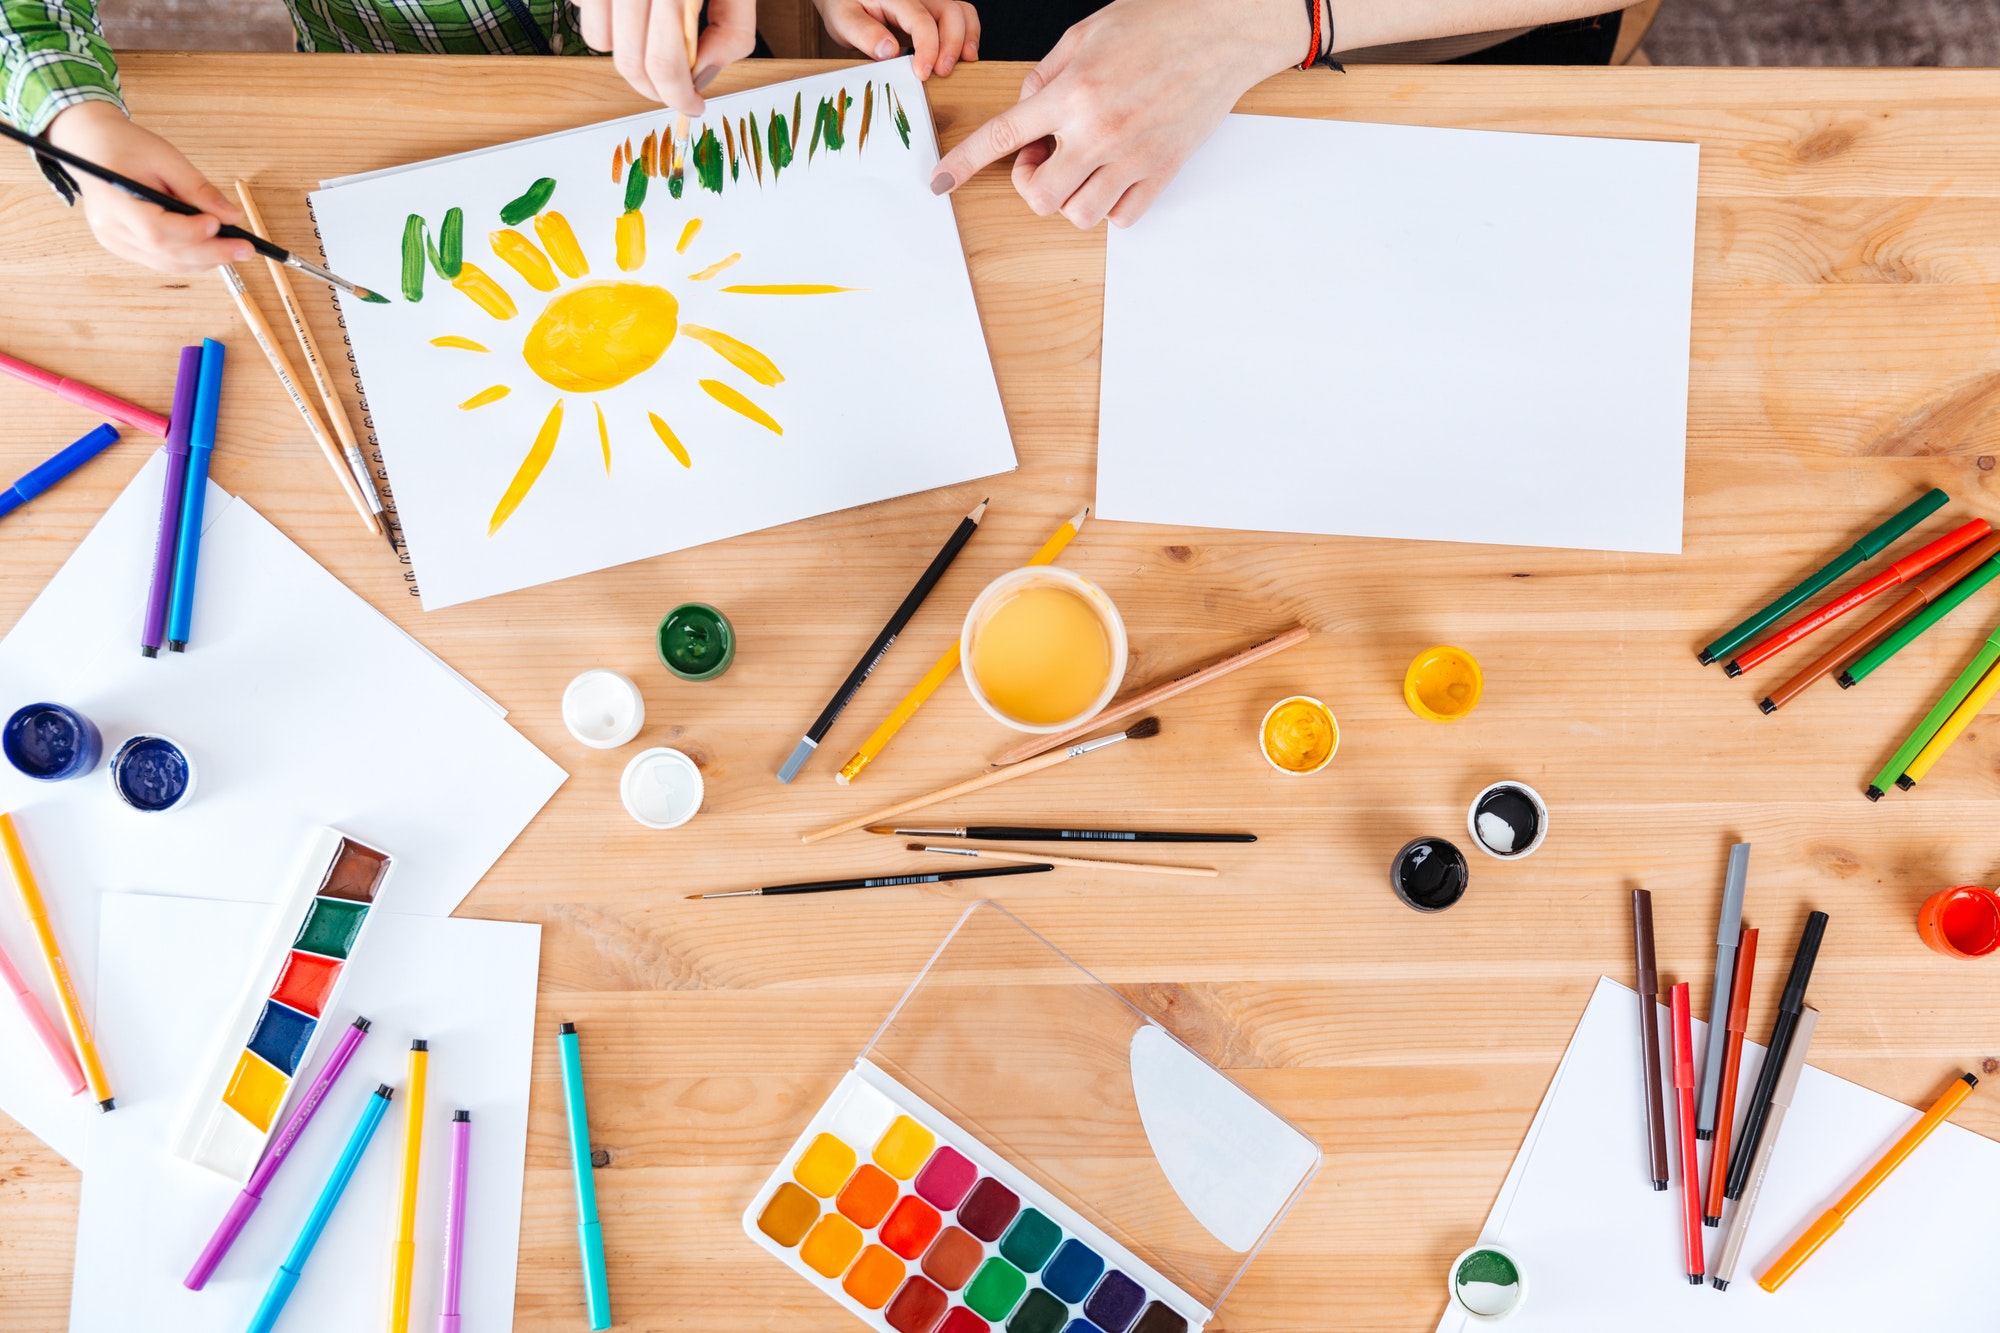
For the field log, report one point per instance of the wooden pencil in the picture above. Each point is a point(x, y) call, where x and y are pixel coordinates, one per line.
point(336, 410)
point(1120, 709)
point(281, 366)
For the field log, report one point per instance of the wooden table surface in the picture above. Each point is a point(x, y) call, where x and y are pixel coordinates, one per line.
point(1846, 355)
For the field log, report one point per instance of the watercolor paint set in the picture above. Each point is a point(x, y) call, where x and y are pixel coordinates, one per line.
point(320, 920)
point(1020, 1148)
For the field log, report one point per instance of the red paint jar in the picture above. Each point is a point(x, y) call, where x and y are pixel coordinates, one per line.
point(1961, 923)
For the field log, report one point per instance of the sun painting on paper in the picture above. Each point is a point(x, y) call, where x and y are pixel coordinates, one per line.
point(593, 333)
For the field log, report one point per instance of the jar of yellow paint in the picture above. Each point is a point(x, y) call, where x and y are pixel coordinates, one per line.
point(1443, 684)
point(1043, 648)
point(1299, 735)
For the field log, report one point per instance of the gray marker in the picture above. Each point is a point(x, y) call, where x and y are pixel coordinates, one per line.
point(1760, 1165)
point(1726, 936)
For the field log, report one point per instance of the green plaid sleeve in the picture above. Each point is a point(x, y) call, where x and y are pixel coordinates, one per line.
point(53, 55)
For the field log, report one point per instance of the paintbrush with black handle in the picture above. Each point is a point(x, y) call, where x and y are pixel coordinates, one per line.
point(275, 253)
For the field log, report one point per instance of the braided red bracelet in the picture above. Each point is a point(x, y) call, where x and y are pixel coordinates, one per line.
point(1312, 52)
point(1321, 54)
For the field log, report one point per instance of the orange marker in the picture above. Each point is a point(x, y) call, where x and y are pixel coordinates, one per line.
point(1902, 571)
point(1835, 1217)
point(1920, 594)
point(37, 913)
point(1732, 1065)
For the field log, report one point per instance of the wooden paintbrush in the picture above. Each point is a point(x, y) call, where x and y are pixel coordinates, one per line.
point(1143, 729)
point(1080, 862)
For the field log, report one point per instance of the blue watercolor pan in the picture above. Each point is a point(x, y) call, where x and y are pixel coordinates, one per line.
point(281, 1036)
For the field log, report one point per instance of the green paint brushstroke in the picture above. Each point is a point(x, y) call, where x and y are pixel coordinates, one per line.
point(819, 125)
point(635, 187)
point(836, 121)
point(414, 243)
point(902, 121)
point(781, 146)
point(707, 157)
point(756, 148)
point(729, 142)
point(451, 244)
point(530, 203)
point(798, 106)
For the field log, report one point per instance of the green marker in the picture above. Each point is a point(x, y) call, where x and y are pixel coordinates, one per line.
point(1866, 549)
point(1934, 719)
point(1917, 624)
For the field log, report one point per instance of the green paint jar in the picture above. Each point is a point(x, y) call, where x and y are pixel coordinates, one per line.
point(696, 641)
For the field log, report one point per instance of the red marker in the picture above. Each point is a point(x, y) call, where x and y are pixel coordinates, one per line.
point(1911, 565)
point(1684, 1096)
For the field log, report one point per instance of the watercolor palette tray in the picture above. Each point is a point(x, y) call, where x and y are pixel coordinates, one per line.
point(316, 927)
point(1019, 1148)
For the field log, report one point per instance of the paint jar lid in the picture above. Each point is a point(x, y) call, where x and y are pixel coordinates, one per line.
point(603, 709)
point(152, 774)
point(1005, 1037)
point(1508, 820)
point(51, 743)
point(661, 788)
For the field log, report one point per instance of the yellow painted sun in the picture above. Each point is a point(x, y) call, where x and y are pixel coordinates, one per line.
point(594, 335)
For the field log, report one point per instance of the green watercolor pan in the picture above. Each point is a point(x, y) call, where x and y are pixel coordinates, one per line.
point(1021, 1149)
point(319, 921)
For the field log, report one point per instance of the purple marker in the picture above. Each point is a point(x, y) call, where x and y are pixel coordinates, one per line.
point(274, 1157)
point(178, 430)
point(454, 1221)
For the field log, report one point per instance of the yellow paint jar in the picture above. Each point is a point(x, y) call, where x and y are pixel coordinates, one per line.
point(1443, 684)
point(1299, 735)
point(1043, 649)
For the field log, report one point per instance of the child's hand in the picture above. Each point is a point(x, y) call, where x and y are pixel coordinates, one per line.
point(647, 40)
point(942, 32)
point(132, 228)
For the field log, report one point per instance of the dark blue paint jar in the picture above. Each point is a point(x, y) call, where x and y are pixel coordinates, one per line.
point(152, 773)
point(51, 743)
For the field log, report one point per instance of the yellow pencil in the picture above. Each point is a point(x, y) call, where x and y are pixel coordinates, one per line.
point(879, 739)
point(413, 1147)
point(1961, 718)
point(37, 913)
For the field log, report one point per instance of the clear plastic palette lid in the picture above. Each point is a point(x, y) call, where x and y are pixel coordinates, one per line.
point(1096, 1102)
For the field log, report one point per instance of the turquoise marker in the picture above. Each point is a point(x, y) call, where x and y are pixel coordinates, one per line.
point(589, 1235)
point(287, 1276)
point(201, 443)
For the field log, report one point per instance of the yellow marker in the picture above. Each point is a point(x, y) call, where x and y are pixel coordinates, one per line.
point(1831, 1221)
point(1961, 718)
point(879, 739)
point(413, 1148)
point(37, 913)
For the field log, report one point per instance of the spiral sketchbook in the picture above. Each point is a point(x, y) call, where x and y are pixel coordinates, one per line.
point(656, 332)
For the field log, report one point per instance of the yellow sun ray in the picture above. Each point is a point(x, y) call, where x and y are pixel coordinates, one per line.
point(737, 353)
point(671, 440)
point(791, 289)
point(631, 240)
point(687, 236)
point(603, 437)
point(488, 395)
point(487, 294)
point(715, 268)
point(531, 469)
point(519, 253)
point(462, 344)
point(559, 239)
point(736, 402)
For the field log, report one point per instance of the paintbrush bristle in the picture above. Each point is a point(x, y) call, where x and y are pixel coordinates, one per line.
point(881, 828)
point(1144, 729)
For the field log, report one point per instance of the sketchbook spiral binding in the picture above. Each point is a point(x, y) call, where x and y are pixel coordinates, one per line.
point(376, 465)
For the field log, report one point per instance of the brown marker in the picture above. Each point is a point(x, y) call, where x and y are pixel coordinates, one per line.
point(1919, 596)
point(1649, 1033)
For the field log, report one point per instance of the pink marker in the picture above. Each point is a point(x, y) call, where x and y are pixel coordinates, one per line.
point(84, 396)
point(454, 1221)
point(274, 1157)
point(53, 1041)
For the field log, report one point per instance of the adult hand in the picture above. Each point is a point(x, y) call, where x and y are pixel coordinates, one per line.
point(132, 228)
point(942, 32)
point(648, 42)
point(1126, 96)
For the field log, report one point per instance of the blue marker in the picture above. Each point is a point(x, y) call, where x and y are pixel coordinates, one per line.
point(287, 1276)
point(53, 471)
point(201, 443)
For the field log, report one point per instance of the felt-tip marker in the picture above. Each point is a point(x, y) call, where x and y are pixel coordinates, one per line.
point(44, 475)
point(287, 1276)
point(589, 1234)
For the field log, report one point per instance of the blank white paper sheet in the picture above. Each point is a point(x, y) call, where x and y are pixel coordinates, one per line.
point(1396, 331)
point(171, 967)
point(1602, 1250)
point(300, 706)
